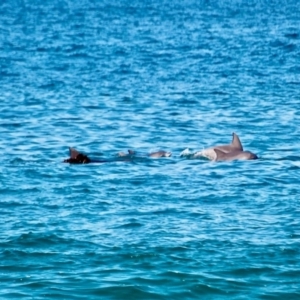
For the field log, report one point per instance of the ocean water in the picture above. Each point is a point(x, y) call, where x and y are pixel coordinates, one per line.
point(107, 76)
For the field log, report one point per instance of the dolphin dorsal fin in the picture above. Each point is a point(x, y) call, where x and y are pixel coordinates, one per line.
point(220, 155)
point(73, 152)
point(131, 152)
point(236, 143)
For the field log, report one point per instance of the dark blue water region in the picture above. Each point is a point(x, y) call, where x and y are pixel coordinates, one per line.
point(108, 76)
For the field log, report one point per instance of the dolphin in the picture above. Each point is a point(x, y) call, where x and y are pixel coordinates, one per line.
point(235, 145)
point(156, 154)
point(129, 154)
point(233, 155)
point(79, 158)
point(160, 153)
point(233, 151)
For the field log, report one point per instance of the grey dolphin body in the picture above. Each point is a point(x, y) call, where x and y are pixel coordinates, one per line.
point(129, 154)
point(160, 153)
point(235, 145)
point(233, 155)
point(156, 154)
point(233, 151)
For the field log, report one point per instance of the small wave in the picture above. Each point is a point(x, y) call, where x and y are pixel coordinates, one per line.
point(37, 240)
point(293, 35)
point(130, 225)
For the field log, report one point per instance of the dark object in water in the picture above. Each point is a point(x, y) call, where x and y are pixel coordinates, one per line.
point(79, 158)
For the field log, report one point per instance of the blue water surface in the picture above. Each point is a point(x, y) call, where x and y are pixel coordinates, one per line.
point(107, 76)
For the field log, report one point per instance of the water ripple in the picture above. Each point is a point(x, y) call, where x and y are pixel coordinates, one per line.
point(106, 77)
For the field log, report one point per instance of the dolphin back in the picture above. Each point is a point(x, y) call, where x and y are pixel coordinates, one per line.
point(234, 155)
